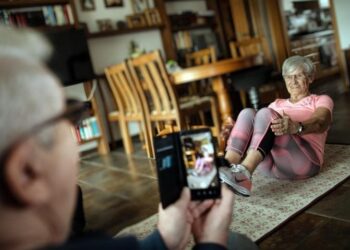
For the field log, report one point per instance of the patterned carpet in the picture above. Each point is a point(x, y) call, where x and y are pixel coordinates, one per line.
point(275, 201)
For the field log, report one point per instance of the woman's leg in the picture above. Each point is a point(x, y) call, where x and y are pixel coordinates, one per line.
point(288, 160)
point(240, 136)
point(262, 139)
point(254, 128)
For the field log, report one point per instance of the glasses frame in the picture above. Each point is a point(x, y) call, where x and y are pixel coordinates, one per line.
point(298, 77)
point(74, 112)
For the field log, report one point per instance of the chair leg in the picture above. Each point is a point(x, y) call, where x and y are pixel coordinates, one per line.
point(215, 116)
point(201, 117)
point(243, 98)
point(254, 97)
point(126, 137)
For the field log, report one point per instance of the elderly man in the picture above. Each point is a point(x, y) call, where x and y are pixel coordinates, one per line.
point(39, 164)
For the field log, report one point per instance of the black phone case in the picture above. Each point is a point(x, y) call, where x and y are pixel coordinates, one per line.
point(171, 177)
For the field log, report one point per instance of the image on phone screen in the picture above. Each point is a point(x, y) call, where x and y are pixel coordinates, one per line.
point(199, 157)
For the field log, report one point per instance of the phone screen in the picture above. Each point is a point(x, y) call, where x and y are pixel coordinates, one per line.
point(198, 154)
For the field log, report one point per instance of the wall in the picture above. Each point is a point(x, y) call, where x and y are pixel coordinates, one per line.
point(343, 19)
point(179, 7)
point(114, 49)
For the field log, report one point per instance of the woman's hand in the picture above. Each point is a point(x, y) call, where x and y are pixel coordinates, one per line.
point(226, 128)
point(284, 125)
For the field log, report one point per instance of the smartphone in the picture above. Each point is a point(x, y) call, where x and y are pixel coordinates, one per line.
point(187, 158)
point(200, 164)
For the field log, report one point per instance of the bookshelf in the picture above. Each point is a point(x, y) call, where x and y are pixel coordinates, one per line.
point(122, 31)
point(38, 14)
point(55, 15)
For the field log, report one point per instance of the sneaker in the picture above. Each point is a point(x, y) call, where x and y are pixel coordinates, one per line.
point(237, 178)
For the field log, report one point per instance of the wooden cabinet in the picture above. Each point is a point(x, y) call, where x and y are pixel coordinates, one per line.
point(187, 31)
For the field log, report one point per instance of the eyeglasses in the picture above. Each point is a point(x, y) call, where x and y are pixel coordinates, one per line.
point(75, 112)
point(298, 77)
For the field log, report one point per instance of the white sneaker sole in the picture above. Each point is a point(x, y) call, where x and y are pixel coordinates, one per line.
point(234, 186)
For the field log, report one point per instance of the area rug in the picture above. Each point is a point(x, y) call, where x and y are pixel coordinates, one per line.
point(274, 201)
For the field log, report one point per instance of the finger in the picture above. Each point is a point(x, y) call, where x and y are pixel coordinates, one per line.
point(230, 120)
point(227, 198)
point(184, 199)
point(276, 121)
point(202, 208)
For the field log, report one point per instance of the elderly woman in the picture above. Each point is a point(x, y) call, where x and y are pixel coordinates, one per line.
point(285, 140)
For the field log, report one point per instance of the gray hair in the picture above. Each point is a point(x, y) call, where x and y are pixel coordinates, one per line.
point(29, 93)
point(294, 62)
point(24, 42)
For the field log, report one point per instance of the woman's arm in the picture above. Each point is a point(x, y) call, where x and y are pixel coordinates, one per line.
point(317, 123)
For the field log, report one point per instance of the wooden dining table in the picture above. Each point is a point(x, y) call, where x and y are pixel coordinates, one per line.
point(216, 72)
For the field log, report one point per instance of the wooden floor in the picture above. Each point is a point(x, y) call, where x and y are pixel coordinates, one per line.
point(120, 191)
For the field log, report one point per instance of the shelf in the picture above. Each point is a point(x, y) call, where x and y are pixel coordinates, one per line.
point(193, 27)
point(90, 140)
point(122, 31)
point(31, 3)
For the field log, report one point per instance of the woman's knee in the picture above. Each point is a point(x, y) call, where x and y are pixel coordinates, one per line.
point(266, 113)
point(247, 113)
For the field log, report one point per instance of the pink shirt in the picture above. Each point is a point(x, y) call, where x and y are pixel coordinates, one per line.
point(301, 111)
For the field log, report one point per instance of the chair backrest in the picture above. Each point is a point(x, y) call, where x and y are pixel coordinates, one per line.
point(156, 91)
point(124, 90)
point(200, 57)
point(250, 47)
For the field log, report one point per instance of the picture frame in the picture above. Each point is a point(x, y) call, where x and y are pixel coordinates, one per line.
point(88, 5)
point(114, 3)
point(139, 6)
point(136, 21)
point(105, 24)
point(153, 17)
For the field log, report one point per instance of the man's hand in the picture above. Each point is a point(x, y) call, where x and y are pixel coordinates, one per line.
point(213, 226)
point(176, 220)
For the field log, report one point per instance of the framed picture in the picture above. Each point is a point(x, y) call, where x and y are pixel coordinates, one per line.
point(139, 6)
point(136, 21)
point(153, 17)
point(87, 5)
point(113, 3)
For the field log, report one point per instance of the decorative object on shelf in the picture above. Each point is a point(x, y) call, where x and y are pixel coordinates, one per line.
point(136, 21)
point(121, 25)
point(113, 3)
point(153, 17)
point(139, 6)
point(87, 5)
point(135, 50)
point(104, 24)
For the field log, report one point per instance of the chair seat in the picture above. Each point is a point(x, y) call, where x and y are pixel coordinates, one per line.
point(251, 77)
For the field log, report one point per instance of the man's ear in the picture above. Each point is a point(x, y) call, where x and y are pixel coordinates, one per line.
point(24, 174)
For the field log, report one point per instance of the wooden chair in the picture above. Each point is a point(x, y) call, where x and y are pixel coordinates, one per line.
point(252, 79)
point(158, 96)
point(200, 57)
point(128, 103)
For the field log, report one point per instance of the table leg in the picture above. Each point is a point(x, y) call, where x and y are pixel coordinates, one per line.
point(224, 107)
point(223, 98)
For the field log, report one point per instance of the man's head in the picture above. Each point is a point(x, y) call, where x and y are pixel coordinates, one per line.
point(38, 169)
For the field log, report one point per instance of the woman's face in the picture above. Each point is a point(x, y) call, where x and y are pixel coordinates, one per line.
point(297, 82)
